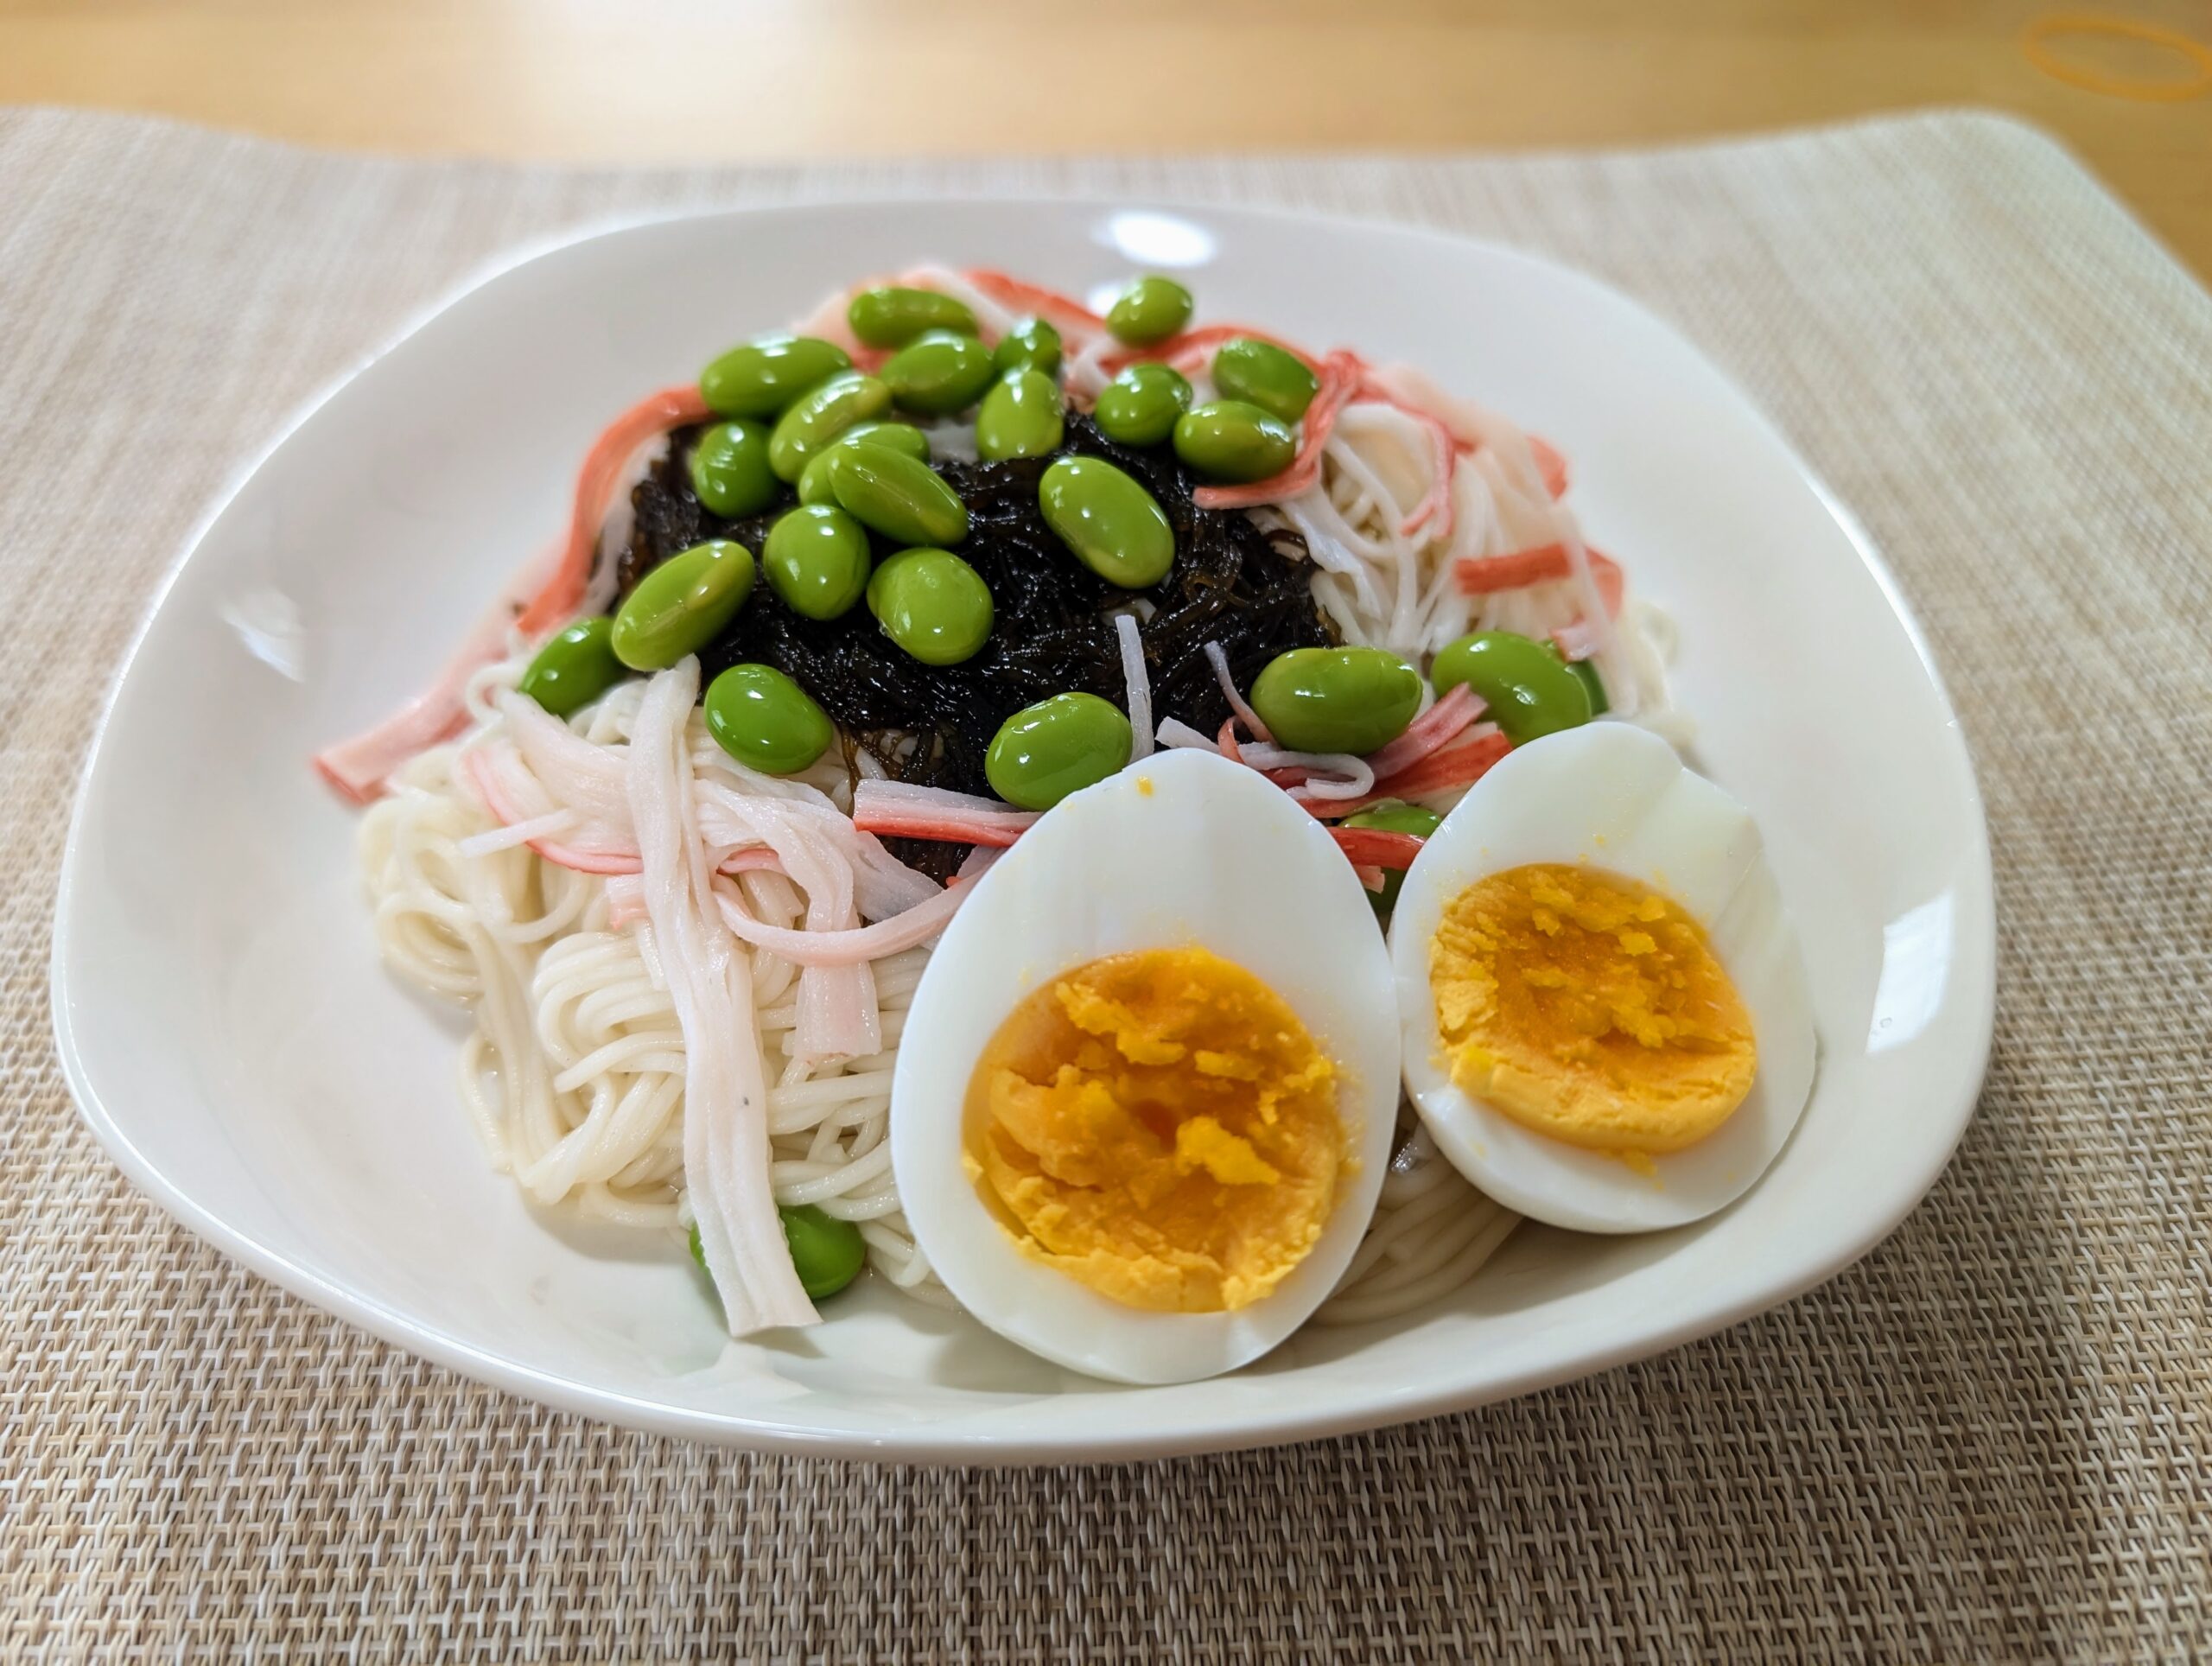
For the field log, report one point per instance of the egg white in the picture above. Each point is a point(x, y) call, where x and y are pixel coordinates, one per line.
point(1612, 796)
point(1184, 848)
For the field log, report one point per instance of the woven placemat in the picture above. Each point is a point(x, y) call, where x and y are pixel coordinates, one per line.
point(1992, 1438)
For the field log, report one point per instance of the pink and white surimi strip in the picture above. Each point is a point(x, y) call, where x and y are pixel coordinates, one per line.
point(724, 1093)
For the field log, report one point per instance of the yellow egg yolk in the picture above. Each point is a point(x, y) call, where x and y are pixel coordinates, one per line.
point(1590, 1008)
point(1160, 1126)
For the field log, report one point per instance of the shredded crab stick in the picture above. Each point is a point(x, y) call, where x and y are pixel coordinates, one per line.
point(483, 770)
point(710, 985)
point(542, 769)
point(1366, 845)
point(1339, 375)
point(900, 809)
point(1443, 722)
point(1064, 313)
point(1374, 847)
point(1459, 764)
point(1479, 575)
point(853, 948)
point(534, 603)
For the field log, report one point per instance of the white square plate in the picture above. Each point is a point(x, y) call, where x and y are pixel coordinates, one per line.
point(235, 1044)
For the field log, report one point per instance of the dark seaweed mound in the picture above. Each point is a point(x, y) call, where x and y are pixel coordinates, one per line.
point(1053, 630)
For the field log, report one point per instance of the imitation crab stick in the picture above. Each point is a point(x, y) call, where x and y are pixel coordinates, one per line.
point(1374, 847)
point(1063, 312)
point(1339, 376)
point(1461, 764)
point(1486, 575)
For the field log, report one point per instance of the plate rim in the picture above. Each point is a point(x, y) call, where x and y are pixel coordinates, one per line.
point(1361, 1411)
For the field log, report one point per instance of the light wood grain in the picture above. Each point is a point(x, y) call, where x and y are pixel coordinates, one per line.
point(668, 80)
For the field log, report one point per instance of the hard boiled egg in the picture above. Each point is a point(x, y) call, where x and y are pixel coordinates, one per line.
point(1607, 1021)
point(1145, 1094)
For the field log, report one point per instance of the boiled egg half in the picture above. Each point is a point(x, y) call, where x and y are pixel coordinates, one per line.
point(1607, 1021)
point(1145, 1094)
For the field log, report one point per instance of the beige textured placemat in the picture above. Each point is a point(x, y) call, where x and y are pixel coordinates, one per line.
point(1990, 1439)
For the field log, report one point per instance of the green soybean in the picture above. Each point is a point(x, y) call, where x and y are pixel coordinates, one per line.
point(1112, 523)
point(1261, 373)
point(1057, 747)
point(1394, 815)
point(766, 722)
point(1140, 405)
point(814, 479)
point(906, 500)
point(1022, 416)
point(1528, 689)
point(1150, 309)
point(1586, 672)
point(827, 1253)
point(683, 605)
point(1032, 344)
point(729, 468)
point(1354, 700)
point(574, 667)
point(931, 604)
point(760, 378)
point(940, 373)
point(816, 558)
point(891, 316)
point(1229, 440)
point(819, 416)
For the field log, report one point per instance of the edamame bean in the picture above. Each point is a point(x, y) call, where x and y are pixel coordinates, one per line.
point(814, 479)
point(827, 1253)
point(1586, 672)
point(760, 378)
point(940, 373)
point(1022, 416)
point(1150, 309)
point(766, 722)
point(902, 437)
point(1057, 747)
point(1529, 688)
point(819, 416)
point(729, 468)
point(1113, 524)
point(1261, 373)
point(1229, 440)
point(1140, 406)
point(891, 316)
point(933, 604)
point(574, 667)
point(896, 496)
point(682, 605)
point(1394, 815)
point(1354, 700)
point(817, 560)
point(1032, 344)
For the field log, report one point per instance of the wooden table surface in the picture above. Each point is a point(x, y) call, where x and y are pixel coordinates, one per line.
point(667, 79)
